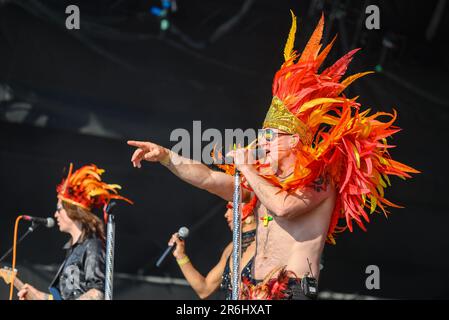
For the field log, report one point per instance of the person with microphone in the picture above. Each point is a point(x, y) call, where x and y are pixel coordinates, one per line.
point(324, 170)
point(220, 275)
point(81, 275)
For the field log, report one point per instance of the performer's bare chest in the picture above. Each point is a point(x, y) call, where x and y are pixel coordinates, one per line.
point(279, 240)
point(274, 235)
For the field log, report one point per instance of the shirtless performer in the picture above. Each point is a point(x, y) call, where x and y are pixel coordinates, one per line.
point(325, 160)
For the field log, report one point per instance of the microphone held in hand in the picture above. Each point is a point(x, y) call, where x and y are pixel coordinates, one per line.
point(257, 153)
point(48, 222)
point(183, 233)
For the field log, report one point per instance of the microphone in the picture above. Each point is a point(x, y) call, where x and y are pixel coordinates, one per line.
point(183, 233)
point(257, 154)
point(48, 222)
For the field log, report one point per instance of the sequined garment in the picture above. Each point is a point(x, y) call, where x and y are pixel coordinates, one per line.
point(226, 282)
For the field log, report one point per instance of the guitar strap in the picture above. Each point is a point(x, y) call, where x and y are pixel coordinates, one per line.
point(55, 293)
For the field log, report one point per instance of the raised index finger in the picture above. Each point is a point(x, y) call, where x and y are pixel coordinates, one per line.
point(139, 144)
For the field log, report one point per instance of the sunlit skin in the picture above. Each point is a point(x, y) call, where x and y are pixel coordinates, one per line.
point(279, 151)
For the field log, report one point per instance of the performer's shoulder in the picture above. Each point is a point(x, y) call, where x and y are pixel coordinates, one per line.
point(94, 243)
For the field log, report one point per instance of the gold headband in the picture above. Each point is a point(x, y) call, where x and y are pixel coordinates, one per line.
point(279, 117)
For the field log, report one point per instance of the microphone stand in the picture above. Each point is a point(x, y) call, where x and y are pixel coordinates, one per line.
point(236, 238)
point(110, 245)
point(30, 230)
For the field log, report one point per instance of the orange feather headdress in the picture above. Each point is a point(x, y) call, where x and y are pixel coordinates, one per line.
point(85, 189)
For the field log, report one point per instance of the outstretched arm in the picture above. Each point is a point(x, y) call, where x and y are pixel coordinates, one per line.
point(191, 171)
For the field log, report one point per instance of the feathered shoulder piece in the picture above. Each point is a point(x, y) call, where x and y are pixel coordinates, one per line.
point(338, 138)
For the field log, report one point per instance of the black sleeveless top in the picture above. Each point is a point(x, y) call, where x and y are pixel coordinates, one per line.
point(226, 282)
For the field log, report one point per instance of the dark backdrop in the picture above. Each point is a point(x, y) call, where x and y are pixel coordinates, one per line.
point(78, 95)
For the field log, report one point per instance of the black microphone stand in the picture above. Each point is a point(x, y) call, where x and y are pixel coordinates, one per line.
point(30, 230)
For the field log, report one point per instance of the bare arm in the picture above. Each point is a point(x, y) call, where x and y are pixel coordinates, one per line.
point(190, 171)
point(28, 292)
point(278, 202)
point(199, 175)
point(203, 286)
point(92, 294)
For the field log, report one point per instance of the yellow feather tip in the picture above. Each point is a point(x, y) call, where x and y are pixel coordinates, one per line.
point(288, 54)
